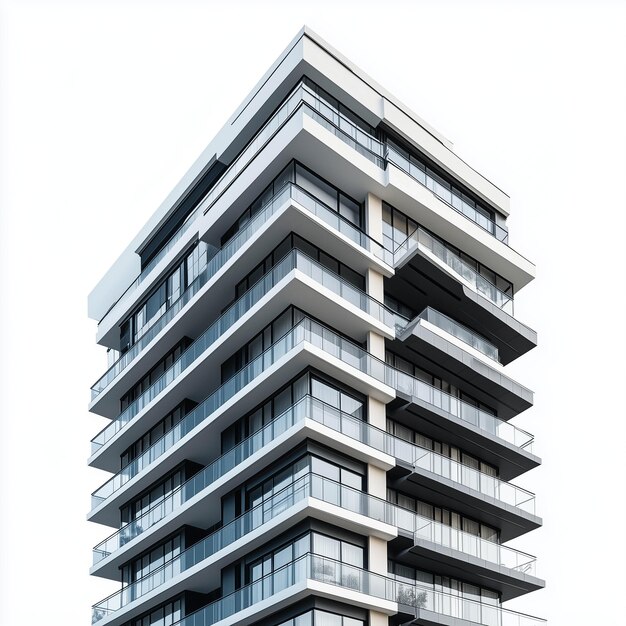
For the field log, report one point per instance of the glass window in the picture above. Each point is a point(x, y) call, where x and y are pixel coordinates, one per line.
point(316, 187)
point(350, 210)
point(325, 469)
point(322, 618)
point(325, 393)
point(326, 546)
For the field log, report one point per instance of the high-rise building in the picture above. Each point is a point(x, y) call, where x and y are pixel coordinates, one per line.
point(311, 421)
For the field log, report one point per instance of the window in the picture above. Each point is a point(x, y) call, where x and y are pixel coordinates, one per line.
point(284, 400)
point(157, 494)
point(166, 615)
point(157, 557)
point(154, 374)
point(444, 516)
point(397, 227)
point(164, 296)
point(155, 433)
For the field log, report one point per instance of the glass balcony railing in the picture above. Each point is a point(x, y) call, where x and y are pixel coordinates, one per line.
point(309, 485)
point(295, 259)
point(460, 332)
point(421, 238)
point(307, 330)
point(312, 567)
point(455, 539)
point(301, 98)
point(424, 392)
point(445, 193)
point(289, 192)
point(472, 478)
point(306, 408)
point(319, 488)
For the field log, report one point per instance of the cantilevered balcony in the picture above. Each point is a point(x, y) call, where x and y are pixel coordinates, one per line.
point(302, 99)
point(424, 606)
point(442, 480)
point(448, 551)
point(305, 332)
point(442, 416)
point(254, 528)
point(380, 514)
point(195, 502)
point(294, 260)
point(314, 574)
point(460, 332)
point(444, 191)
point(289, 194)
point(421, 239)
point(429, 273)
point(317, 345)
point(444, 356)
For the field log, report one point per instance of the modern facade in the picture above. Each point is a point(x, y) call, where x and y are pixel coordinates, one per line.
point(310, 415)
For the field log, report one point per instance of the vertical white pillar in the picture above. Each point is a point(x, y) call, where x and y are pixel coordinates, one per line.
point(376, 477)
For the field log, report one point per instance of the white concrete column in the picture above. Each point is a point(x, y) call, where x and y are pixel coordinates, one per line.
point(374, 217)
point(378, 619)
point(376, 413)
point(377, 416)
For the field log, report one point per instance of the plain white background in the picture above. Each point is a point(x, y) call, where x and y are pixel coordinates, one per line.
point(106, 104)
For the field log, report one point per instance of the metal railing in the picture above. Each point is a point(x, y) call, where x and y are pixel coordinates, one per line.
point(461, 332)
point(421, 238)
point(289, 192)
point(307, 330)
point(293, 260)
point(313, 567)
point(445, 194)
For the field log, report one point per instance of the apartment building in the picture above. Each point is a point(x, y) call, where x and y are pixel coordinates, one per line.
point(311, 422)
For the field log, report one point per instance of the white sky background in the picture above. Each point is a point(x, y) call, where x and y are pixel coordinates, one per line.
point(106, 104)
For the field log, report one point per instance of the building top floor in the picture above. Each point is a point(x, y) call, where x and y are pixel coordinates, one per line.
point(307, 55)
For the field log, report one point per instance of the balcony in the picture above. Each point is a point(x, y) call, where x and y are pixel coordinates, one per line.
point(424, 241)
point(444, 192)
point(302, 98)
point(328, 491)
point(294, 260)
point(448, 551)
point(458, 364)
point(306, 331)
point(440, 479)
point(308, 486)
point(290, 192)
point(314, 334)
point(338, 424)
point(462, 333)
point(348, 583)
point(308, 408)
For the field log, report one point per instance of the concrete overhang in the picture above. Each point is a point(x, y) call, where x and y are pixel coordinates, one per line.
point(446, 561)
point(421, 344)
point(203, 509)
point(201, 445)
point(421, 281)
point(440, 491)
